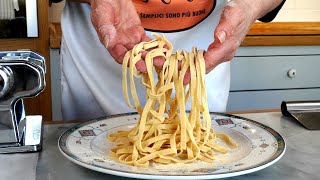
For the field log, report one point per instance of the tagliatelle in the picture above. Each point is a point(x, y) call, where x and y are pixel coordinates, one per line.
point(166, 133)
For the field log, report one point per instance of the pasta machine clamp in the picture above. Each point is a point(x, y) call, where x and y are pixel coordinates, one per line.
point(22, 74)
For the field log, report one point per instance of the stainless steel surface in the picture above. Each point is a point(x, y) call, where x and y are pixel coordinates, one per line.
point(306, 112)
point(32, 18)
point(12, 123)
point(32, 137)
point(22, 75)
point(301, 160)
point(6, 78)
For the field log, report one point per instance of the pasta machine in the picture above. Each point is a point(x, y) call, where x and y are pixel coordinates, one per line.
point(22, 74)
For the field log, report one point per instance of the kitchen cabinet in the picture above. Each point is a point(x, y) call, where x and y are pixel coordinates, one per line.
point(264, 76)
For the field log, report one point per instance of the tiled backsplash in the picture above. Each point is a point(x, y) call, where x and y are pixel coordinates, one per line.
point(293, 11)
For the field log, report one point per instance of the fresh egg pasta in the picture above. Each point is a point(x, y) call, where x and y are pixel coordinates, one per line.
point(165, 132)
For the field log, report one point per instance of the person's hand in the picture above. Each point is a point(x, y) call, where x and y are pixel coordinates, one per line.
point(118, 26)
point(235, 21)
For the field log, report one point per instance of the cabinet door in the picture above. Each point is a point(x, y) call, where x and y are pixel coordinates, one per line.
point(40, 105)
point(275, 72)
point(263, 77)
point(269, 99)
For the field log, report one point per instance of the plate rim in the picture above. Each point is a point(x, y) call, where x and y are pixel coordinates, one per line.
point(270, 161)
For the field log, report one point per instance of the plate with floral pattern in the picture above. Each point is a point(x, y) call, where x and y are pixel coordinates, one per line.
point(259, 146)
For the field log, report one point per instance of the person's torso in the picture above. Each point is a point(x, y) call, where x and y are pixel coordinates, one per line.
point(172, 15)
point(189, 23)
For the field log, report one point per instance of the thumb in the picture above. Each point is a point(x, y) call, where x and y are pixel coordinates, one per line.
point(107, 35)
point(228, 23)
point(102, 17)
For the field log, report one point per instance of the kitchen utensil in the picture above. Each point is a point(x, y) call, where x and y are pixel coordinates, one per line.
point(305, 112)
point(22, 74)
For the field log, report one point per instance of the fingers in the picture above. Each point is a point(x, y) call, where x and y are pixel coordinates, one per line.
point(231, 18)
point(107, 35)
point(187, 78)
point(141, 66)
point(125, 42)
point(135, 34)
point(145, 38)
point(102, 18)
point(233, 26)
point(158, 62)
point(213, 56)
point(221, 49)
point(117, 25)
point(118, 28)
point(118, 52)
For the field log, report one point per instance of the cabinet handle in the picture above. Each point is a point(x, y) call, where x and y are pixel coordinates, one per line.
point(292, 73)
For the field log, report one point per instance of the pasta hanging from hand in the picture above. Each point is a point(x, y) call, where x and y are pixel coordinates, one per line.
point(166, 133)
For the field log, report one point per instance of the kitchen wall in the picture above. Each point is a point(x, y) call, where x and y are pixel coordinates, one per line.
point(300, 11)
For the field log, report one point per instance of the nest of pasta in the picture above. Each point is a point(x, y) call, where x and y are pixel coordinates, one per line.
point(165, 132)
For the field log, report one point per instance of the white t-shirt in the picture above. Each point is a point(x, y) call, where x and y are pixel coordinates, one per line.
point(91, 79)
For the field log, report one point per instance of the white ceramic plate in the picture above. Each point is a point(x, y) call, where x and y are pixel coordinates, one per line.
point(259, 147)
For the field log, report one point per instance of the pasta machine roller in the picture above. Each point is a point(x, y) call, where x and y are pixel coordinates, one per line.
point(22, 74)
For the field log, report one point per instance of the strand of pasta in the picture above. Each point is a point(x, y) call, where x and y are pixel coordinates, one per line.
point(165, 133)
